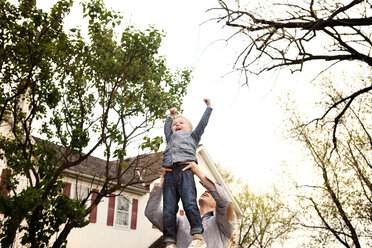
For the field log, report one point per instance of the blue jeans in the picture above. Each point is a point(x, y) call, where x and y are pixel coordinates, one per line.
point(179, 184)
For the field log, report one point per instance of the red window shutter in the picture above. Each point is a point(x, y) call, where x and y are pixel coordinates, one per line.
point(111, 210)
point(4, 190)
point(133, 224)
point(67, 189)
point(93, 214)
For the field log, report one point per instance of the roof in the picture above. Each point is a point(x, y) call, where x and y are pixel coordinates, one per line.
point(137, 172)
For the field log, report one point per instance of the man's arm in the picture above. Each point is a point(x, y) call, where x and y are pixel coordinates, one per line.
point(224, 208)
point(154, 211)
point(211, 186)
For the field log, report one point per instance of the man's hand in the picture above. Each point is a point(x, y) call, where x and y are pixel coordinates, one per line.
point(207, 102)
point(163, 171)
point(172, 112)
point(195, 169)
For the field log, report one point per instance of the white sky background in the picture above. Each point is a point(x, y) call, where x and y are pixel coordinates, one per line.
point(244, 133)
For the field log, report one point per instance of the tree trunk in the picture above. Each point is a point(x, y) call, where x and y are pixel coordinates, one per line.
point(63, 235)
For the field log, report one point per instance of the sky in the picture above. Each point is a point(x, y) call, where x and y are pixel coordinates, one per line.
point(245, 131)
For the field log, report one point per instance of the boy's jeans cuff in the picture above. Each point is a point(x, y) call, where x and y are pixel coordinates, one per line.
point(169, 240)
point(197, 230)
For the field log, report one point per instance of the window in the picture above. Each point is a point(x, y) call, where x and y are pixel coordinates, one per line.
point(122, 211)
point(81, 193)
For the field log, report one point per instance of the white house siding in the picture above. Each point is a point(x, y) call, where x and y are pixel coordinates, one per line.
point(99, 234)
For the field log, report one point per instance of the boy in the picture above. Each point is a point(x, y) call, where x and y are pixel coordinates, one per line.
point(182, 142)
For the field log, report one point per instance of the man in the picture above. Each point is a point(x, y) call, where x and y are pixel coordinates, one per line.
point(216, 210)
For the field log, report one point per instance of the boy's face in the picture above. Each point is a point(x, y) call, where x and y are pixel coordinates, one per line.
point(181, 124)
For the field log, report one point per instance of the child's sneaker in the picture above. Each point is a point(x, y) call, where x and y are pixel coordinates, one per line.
point(198, 242)
point(171, 246)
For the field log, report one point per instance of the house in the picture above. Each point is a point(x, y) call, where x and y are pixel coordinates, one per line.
point(119, 220)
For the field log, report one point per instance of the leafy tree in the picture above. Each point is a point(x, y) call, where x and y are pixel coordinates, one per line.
point(336, 205)
point(267, 220)
point(293, 33)
point(80, 94)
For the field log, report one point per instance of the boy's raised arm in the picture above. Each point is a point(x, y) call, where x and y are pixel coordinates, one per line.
point(199, 130)
point(168, 123)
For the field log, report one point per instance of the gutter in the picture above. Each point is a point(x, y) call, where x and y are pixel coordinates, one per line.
point(99, 181)
point(219, 179)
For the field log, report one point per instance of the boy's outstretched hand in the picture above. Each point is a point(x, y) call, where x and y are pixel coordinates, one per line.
point(207, 102)
point(172, 112)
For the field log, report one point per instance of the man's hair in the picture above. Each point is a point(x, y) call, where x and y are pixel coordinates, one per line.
point(180, 116)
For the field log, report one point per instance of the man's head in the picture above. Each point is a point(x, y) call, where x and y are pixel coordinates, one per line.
point(206, 201)
point(180, 123)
